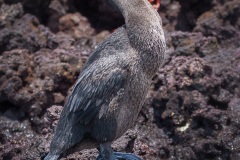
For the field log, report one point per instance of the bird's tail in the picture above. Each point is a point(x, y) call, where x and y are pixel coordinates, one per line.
point(51, 157)
point(67, 134)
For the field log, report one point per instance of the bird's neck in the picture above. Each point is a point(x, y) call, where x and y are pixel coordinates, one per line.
point(144, 29)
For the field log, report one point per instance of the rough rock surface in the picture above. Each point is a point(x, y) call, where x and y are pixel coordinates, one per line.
point(191, 103)
point(193, 107)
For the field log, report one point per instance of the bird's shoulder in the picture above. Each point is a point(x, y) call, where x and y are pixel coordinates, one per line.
point(114, 45)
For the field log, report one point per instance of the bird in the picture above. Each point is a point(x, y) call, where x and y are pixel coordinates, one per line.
point(113, 84)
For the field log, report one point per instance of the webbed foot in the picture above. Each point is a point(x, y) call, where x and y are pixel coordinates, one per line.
point(106, 153)
point(121, 156)
point(51, 157)
point(125, 156)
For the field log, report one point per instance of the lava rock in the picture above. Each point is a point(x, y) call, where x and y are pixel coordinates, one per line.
point(191, 111)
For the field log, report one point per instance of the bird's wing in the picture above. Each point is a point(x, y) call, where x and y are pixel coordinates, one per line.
point(93, 92)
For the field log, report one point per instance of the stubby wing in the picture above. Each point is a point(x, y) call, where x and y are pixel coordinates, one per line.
point(93, 92)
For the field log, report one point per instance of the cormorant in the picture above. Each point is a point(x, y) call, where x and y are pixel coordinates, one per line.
point(110, 91)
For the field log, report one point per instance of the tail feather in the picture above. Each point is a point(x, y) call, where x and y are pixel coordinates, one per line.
point(67, 134)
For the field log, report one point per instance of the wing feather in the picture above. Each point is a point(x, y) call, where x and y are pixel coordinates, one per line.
point(91, 94)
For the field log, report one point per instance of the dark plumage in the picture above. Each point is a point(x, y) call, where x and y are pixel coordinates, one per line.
point(113, 84)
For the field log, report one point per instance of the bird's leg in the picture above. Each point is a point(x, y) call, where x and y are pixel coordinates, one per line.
point(106, 153)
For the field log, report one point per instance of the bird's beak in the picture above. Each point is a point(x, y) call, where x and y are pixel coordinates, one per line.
point(155, 3)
